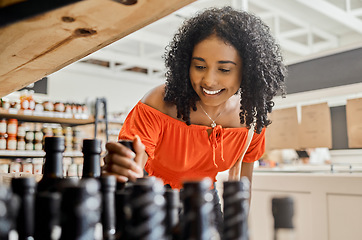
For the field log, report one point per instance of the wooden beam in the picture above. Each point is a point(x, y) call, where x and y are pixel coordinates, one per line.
point(36, 47)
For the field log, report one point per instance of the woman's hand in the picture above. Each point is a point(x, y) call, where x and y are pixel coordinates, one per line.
point(123, 162)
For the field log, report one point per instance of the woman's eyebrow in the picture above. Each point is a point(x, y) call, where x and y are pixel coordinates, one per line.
point(198, 58)
point(220, 62)
point(223, 62)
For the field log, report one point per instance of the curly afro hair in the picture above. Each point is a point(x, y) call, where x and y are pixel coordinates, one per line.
point(263, 71)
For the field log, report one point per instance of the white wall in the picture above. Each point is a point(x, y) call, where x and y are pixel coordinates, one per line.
point(122, 94)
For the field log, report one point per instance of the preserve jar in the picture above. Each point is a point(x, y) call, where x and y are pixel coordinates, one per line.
point(3, 126)
point(11, 142)
point(12, 126)
point(2, 142)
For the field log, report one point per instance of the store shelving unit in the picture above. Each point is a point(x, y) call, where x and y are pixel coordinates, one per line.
point(47, 117)
point(34, 154)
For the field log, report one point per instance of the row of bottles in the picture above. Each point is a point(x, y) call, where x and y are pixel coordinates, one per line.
point(97, 207)
point(30, 105)
point(15, 135)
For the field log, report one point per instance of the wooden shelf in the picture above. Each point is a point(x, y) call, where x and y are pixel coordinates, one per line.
point(51, 118)
point(34, 154)
point(38, 46)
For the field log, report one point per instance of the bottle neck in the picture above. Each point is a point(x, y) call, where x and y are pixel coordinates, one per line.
point(53, 166)
point(91, 166)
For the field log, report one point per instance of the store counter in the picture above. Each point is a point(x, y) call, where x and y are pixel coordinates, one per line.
point(327, 201)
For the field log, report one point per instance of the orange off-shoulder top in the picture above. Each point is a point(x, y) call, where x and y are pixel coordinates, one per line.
point(178, 152)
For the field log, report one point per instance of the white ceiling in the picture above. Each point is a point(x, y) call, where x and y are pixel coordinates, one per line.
point(305, 29)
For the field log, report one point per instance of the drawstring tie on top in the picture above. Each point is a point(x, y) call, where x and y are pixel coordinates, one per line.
point(215, 138)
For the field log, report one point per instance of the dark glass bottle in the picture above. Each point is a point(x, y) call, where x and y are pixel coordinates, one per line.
point(108, 188)
point(11, 203)
point(25, 189)
point(236, 208)
point(53, 165)
point(80, 210)
point(92, 149)
point(283, 212)
point(172, 197)
point(198, 211)
point(47, 215)
point(123, 212)
point(147, 206)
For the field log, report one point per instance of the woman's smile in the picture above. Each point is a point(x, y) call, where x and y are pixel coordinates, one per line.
point(211, 92)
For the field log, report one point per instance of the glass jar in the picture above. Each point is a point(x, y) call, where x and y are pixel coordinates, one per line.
point(48, 106)
point(11, 142)
point(38, 136)
point(2, 142)
point(15, 166)
point(21, 130)
point(38, 145)
point(39, 106)
point(29, 136)
point(12, 126)
point(4, 168)
point(59, 107)
point(27, 166)
point(29, 146)
point(3, 126)
point(21, 143)
point(5, 103)
point(37, 165)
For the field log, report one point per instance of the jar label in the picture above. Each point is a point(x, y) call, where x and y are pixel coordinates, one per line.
point(28, 168)
point(2, 144)
point(12, 128)
point(21, 145)
point(12, 144)
point(2, 127)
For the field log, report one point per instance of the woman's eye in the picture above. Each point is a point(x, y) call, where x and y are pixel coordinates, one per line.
point(224, 70)
point(200, 67)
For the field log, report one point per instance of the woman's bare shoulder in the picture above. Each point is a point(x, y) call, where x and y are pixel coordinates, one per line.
point(154, 99)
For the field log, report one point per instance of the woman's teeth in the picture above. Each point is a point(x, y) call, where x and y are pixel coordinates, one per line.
point(211, 92)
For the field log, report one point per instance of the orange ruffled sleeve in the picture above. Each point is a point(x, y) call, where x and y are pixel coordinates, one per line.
point(145, 124)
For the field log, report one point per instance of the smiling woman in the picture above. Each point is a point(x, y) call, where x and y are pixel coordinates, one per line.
point(224, 68)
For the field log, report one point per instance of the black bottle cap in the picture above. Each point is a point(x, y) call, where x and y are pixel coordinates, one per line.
point(54, 144)
point(127, 143)
point(283, 211)
point(92, 146)
point(23, 184)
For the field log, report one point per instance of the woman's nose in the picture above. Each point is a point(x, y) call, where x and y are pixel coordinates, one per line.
point(209, 78)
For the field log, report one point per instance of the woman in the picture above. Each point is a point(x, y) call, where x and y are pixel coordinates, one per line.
point(224, 68)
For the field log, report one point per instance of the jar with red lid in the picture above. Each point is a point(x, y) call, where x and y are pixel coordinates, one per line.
point(12, 127)
point(11, 142)
point(59, 107)
point(3, 126)
point(68, 108)
point(2, 142)
point(48, 106)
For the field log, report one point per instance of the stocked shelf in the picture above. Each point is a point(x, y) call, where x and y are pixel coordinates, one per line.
point(34, 154)
point(48, 117)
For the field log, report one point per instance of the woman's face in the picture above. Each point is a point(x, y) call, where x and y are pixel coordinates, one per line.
point(215, 71)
